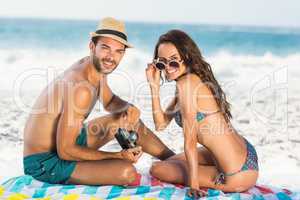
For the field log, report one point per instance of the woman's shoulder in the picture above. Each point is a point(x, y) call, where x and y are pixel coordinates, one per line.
point(192, 84)
point(190, 79)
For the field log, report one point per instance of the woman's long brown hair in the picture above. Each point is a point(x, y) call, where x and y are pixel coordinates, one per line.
point(192, 57)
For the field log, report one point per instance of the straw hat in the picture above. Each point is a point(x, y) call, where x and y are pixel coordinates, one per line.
point(112, 28)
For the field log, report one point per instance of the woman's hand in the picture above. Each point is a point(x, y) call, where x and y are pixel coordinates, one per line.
point(196, 193)
point(153, 76)
point(195, 190)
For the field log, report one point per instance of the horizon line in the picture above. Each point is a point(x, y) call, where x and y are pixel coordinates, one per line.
point(153, 22)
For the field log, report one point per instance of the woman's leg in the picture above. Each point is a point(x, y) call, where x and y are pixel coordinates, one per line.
point(176, 171)
point(204, 157)
point(176, 165)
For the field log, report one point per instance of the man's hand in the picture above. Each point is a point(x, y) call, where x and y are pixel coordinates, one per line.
point(132, 154)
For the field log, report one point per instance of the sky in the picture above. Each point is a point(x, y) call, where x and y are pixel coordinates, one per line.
point(232, 12)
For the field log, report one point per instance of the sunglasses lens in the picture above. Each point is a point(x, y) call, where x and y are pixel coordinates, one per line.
point(160, 65)
point(174, 64)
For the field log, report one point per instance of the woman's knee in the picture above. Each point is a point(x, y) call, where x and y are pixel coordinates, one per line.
point(157, 168)
point(247, 181)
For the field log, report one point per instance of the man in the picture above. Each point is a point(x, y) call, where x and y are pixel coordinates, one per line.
point(60, 148)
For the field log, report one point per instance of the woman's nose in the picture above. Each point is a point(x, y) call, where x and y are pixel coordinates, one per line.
point(167, 66)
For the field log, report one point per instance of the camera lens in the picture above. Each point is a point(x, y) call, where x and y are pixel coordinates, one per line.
point(132, 136)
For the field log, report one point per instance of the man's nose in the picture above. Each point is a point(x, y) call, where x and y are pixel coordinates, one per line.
point(110, 55)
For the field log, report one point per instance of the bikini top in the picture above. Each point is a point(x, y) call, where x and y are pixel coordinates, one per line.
point(200, 116)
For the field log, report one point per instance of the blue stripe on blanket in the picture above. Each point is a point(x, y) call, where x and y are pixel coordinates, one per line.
point(90, 190)
point(283, 196)
point(166, 193)
point(39, 193)
point(115, 192)
point(20, 183)
point(257, 197)
point(212, 193)
point(235, 196)
point(142, 190)
point(65, 189)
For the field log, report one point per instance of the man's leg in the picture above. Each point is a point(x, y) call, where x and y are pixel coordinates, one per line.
point(103, 172)
point(98, 133)
point(114, 171)
point(151, 144)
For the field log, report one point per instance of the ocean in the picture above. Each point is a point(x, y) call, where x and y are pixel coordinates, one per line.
point(49, 34)
point(33, 45)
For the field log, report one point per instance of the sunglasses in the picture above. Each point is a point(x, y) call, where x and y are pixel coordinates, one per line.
point(161, 65)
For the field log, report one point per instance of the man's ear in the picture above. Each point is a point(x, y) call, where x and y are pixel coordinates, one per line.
point(92, 46)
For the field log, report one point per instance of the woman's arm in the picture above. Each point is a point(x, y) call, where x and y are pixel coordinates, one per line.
point(161, 118)
point(187, 99)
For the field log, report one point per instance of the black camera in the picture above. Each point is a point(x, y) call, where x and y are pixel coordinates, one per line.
point(126, 139)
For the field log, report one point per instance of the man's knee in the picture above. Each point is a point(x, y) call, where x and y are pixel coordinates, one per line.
point(140, 126)
point(128, 174)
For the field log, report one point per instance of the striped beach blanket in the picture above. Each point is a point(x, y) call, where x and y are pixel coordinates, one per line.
point(145, 187)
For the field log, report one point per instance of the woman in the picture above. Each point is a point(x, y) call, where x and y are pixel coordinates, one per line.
point(225, 160)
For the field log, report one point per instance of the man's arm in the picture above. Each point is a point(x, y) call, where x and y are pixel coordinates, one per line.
point(76, 103)
point(115, 105)
point(111, 102)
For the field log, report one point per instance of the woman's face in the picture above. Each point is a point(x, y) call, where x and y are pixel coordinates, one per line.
point(174, 65)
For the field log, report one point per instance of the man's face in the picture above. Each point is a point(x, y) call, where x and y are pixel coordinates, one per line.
point(106, 54)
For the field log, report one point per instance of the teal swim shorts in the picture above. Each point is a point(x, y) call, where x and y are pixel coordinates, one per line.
point(48, 167)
